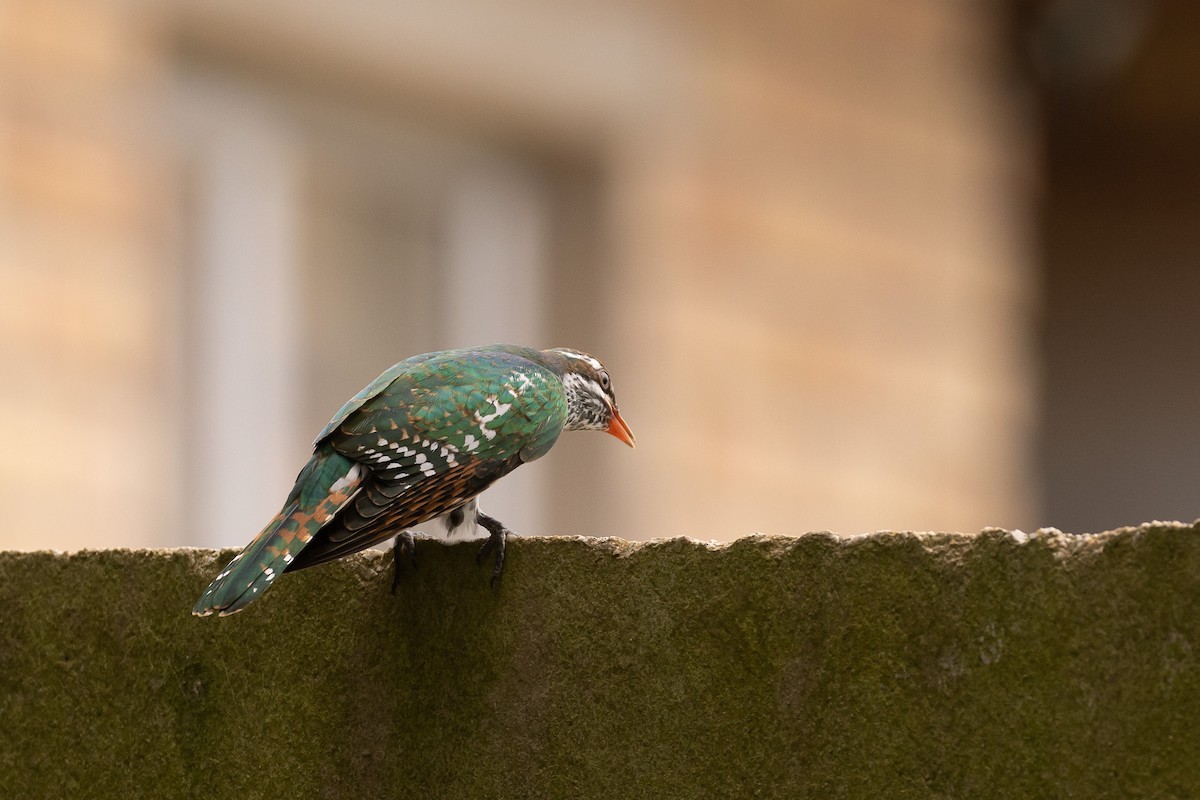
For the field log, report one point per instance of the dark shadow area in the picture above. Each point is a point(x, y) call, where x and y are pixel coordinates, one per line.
point(1119, 230)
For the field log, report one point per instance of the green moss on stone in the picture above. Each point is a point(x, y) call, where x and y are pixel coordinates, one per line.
point(892, 665)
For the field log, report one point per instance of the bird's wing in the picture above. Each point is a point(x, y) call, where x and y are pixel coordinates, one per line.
point(434, 437)
point(370, 391)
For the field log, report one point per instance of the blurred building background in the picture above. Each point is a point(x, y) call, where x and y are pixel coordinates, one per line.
point(853, 265)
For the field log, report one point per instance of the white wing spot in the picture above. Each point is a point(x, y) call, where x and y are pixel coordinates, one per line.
point(499, 410)
point(347, 479)
point(523, 382)
point(582, 357)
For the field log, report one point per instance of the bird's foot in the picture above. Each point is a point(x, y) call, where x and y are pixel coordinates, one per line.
point(498, 534)
point(405, 547)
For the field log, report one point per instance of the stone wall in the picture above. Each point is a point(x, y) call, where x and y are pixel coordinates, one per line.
point(892, 665)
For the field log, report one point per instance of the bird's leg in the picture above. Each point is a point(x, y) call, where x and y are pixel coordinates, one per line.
point(404, 546)
point(495, 542)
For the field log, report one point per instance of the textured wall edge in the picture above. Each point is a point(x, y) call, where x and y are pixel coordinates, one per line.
point(891, 664)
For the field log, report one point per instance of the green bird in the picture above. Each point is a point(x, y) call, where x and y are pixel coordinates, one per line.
point(420, 442)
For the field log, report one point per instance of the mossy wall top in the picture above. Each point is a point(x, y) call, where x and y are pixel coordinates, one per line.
point(888, 666)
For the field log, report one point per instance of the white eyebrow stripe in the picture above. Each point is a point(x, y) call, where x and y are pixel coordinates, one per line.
point(582, 357)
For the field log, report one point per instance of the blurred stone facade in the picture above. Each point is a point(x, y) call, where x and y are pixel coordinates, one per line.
point(796, 232)
point(88, 339)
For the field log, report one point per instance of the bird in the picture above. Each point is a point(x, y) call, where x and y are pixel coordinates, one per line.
point(418, 443)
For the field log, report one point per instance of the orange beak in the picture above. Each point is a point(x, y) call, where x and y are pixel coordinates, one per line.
point(618, 428)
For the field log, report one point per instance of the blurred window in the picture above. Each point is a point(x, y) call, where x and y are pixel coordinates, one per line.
point(324, 241)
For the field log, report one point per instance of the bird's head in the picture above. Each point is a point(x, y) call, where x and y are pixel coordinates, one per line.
point(591, 404)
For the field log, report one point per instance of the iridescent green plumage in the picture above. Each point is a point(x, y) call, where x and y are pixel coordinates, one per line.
point(421, 440)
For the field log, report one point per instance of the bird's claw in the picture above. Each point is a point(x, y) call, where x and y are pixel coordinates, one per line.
point(496, 540)
point(405, 547)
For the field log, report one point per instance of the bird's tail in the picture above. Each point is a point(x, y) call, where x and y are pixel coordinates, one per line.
point(327, 482)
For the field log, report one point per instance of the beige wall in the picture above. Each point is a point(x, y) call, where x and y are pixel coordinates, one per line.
point(87, 332)
point(794, 232)
point(838, 308)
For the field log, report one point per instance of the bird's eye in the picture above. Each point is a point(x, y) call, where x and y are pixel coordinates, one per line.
point(604, 381)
